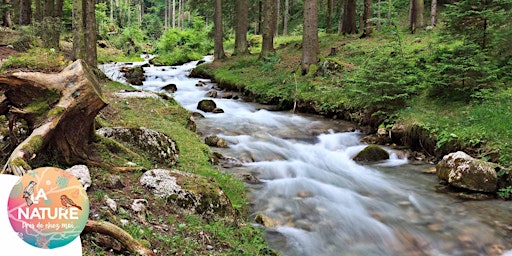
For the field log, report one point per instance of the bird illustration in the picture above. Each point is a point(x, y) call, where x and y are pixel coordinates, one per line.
point(67, 202)
point(28, 191)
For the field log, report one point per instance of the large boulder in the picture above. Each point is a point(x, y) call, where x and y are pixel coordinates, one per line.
point(463, 171)
point(189, 191)
point(206, 105)
point(371, 153)
point(154, 143)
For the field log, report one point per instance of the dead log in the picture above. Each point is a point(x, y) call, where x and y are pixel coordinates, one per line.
point(109, 229)
point(59, 110)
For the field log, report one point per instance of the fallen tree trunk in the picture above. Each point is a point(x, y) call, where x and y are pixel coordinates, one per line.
point(109, 229)
point(59, 110)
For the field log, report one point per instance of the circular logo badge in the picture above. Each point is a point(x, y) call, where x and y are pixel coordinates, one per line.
point(48, 208)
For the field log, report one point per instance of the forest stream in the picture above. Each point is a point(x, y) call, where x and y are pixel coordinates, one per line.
point(316, 200)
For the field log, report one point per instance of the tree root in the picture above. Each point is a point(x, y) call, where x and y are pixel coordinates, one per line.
point(127, 241)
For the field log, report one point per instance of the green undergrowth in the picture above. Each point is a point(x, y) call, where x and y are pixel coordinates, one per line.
point(391, 77)
point(188, 234)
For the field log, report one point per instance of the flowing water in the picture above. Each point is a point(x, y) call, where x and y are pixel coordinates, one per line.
point(316, 200)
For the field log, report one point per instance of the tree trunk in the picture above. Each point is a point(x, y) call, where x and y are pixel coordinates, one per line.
point(218, 49)
point(25, 12)
point(276, 18)
point(330, 7)
point(90, 33)
point(349, 18)
point(310, 48)
point(59, 110)
point(7, 13)
point(367, 15)
point(38, 15)
point(433, 13)
point(79, 51)
point(267, 45)
point(416, 18)
point(242, 25)
point(286, 16)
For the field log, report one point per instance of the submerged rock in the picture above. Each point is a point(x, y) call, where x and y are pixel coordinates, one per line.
point(189, 191)
point(154, 143)
point(463, 171)
point(371, 153)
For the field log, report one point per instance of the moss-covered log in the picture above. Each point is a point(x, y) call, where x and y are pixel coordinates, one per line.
point(59, 110)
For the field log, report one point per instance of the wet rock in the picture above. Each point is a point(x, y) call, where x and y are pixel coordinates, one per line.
point(206, 105)
point(212, 94)
point(463, 171)
point(215, 141)
point(227, 95)
point(170, 88)
point(188, 191)
point(134, 76)
point(156, 144)
point(371, 153)
point(81, 172)
point(197, 115)
point(304, 194)
point(218, 110)
point(266, 220)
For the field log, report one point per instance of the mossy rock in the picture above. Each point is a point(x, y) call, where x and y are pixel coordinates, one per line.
point(206, 105)
point(371, 153)
point(191, 192)
point(134, 76)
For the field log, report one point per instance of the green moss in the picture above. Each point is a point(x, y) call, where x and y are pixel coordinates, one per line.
point(21, 163)
point(55, 111)
point(34, 144)
point(44, 103)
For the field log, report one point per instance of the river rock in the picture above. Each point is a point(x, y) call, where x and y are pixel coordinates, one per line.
point(463, 171)
point(266, 220)
point(215, 141)
point(134, 76)
point(170, 88)
point(212, 94)
point(206, 105)
point(371, 153)
point(189, 191)
point(156, 144)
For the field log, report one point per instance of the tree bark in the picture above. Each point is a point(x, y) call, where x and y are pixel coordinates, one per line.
point(25, 12)
point(90, 34)
point(310, 48)
point(7, 14)
point(62, 124)
point(78, 30)
point(286, 16)
point(109, 229)
point(218, 48)
point(267, 45)
point(416, 17)
point(349, 18)
point(330, 7)
point(367, 15)
point(433, 13)
point(242, 25)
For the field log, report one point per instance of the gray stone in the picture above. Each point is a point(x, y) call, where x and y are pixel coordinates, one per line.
point(189, 191)
point(463, 171)
point(81, 172)
point(156, 144)
point(371, 153)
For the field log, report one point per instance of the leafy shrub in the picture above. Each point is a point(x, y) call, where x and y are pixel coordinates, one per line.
point(178, 46)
